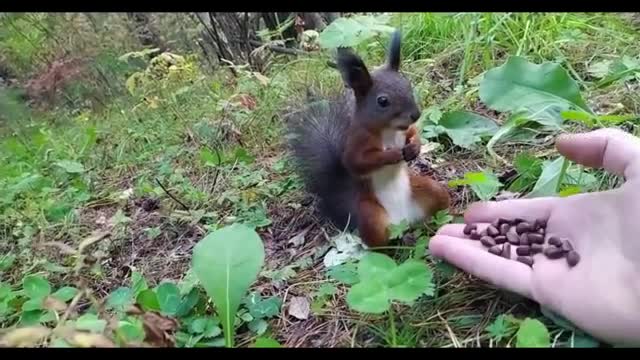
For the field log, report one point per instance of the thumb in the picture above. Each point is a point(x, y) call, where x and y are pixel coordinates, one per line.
point(616, 151)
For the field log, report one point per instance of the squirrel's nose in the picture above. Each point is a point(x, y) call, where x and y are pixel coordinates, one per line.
point(415, 115)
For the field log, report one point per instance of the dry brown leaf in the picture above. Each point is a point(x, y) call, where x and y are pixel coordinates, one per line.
point(51, 303)
point(299, 239)
point(82, 339)
point(64, 248)
point(261, 78)
point(158, 329)
point(25, 337)
point(92, 239)
point(299, 307)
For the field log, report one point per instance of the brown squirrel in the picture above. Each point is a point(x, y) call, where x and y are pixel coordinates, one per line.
point(352, 152)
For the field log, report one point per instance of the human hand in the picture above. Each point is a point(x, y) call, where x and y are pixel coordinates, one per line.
point(601, 294)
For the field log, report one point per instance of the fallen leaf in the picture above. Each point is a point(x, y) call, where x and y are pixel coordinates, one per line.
point(92, 239)
point(158, 329)
point(25, 337)
point(299, 239)
point(299, 307)
point(261, 78)
point(87, 340)
point(64, 248)
point(51, 303)
point(429, 147)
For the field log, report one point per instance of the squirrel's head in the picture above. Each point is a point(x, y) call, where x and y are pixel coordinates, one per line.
point(384, 97)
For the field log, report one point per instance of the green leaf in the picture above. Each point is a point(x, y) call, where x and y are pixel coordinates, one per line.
point(90, 322)
point(120, 299)
point(396, 231)
point(72, 167)
point(466, 129)
point(263, 308)
point(36, 287)
point(326, 289)
point(33, 304)
point(258, 326)
point(5, 290)
point(352, 31)
point(130, 331)
point(368, 296)
point(65, 293)
point(375, 266)
point(138, 283)
point(6, 261)
point(409, 280)
point(209, 158)
point(168, 298)
point(227, 262)
point(543, 91)
point(148, 300)
point(501, 328)
point(206, 326)
point(345, 273)
point(529, 170)
point(532, 333)
point(421, 247)
point(515, 121)
point(266, 343)
point(188, 302)
point(550, 179)
point(484, 184)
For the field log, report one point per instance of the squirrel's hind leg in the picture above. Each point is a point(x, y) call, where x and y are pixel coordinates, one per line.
point(429, 194)
point(373, 221)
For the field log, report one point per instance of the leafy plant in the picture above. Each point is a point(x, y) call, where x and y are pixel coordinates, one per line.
point(532, 333)
point(464, 128)
point(542, 91)
point(484, 184)
point(227, 262)
point(383, 281)
point(354, 30)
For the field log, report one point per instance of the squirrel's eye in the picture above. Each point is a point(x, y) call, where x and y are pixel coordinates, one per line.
point(383, 101)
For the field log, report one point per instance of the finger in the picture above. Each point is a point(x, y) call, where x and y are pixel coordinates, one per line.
point(614, 150)
point(474, 259)
point(527, 209)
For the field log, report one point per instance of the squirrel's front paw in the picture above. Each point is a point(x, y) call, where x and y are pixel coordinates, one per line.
point(410, 152)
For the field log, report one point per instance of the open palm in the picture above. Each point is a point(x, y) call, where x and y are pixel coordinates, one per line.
point(601, 294)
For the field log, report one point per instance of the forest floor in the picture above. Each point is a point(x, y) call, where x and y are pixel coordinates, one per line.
point(101, 209)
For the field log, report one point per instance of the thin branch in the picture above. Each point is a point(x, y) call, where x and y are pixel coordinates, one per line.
point(171, 196)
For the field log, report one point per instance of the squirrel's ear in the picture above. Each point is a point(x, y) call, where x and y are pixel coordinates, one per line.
point(394, 51)
point(354, 71)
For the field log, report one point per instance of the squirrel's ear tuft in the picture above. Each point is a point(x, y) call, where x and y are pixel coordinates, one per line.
point(393, 60)
point(354, 72)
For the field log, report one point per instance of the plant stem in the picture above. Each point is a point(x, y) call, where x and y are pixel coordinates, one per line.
point(392, 324)
point(565, 166)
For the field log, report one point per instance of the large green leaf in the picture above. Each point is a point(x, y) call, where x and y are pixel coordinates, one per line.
point(351, 31)
point(36, 287)
point(543, 91)
point(465, 128)
point(369, 297)
point(375, 266)
point(168, 296)
point(382, 281)
point(549, 181)
point(227, 262)
point(408, 281)
point(532, 333)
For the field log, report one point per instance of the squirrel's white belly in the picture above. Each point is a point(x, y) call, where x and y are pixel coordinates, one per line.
point(392, 187)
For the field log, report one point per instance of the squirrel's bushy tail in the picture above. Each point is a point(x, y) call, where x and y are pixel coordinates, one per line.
point(316, 141)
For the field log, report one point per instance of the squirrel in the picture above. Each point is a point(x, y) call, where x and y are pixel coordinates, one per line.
point(352, 151)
